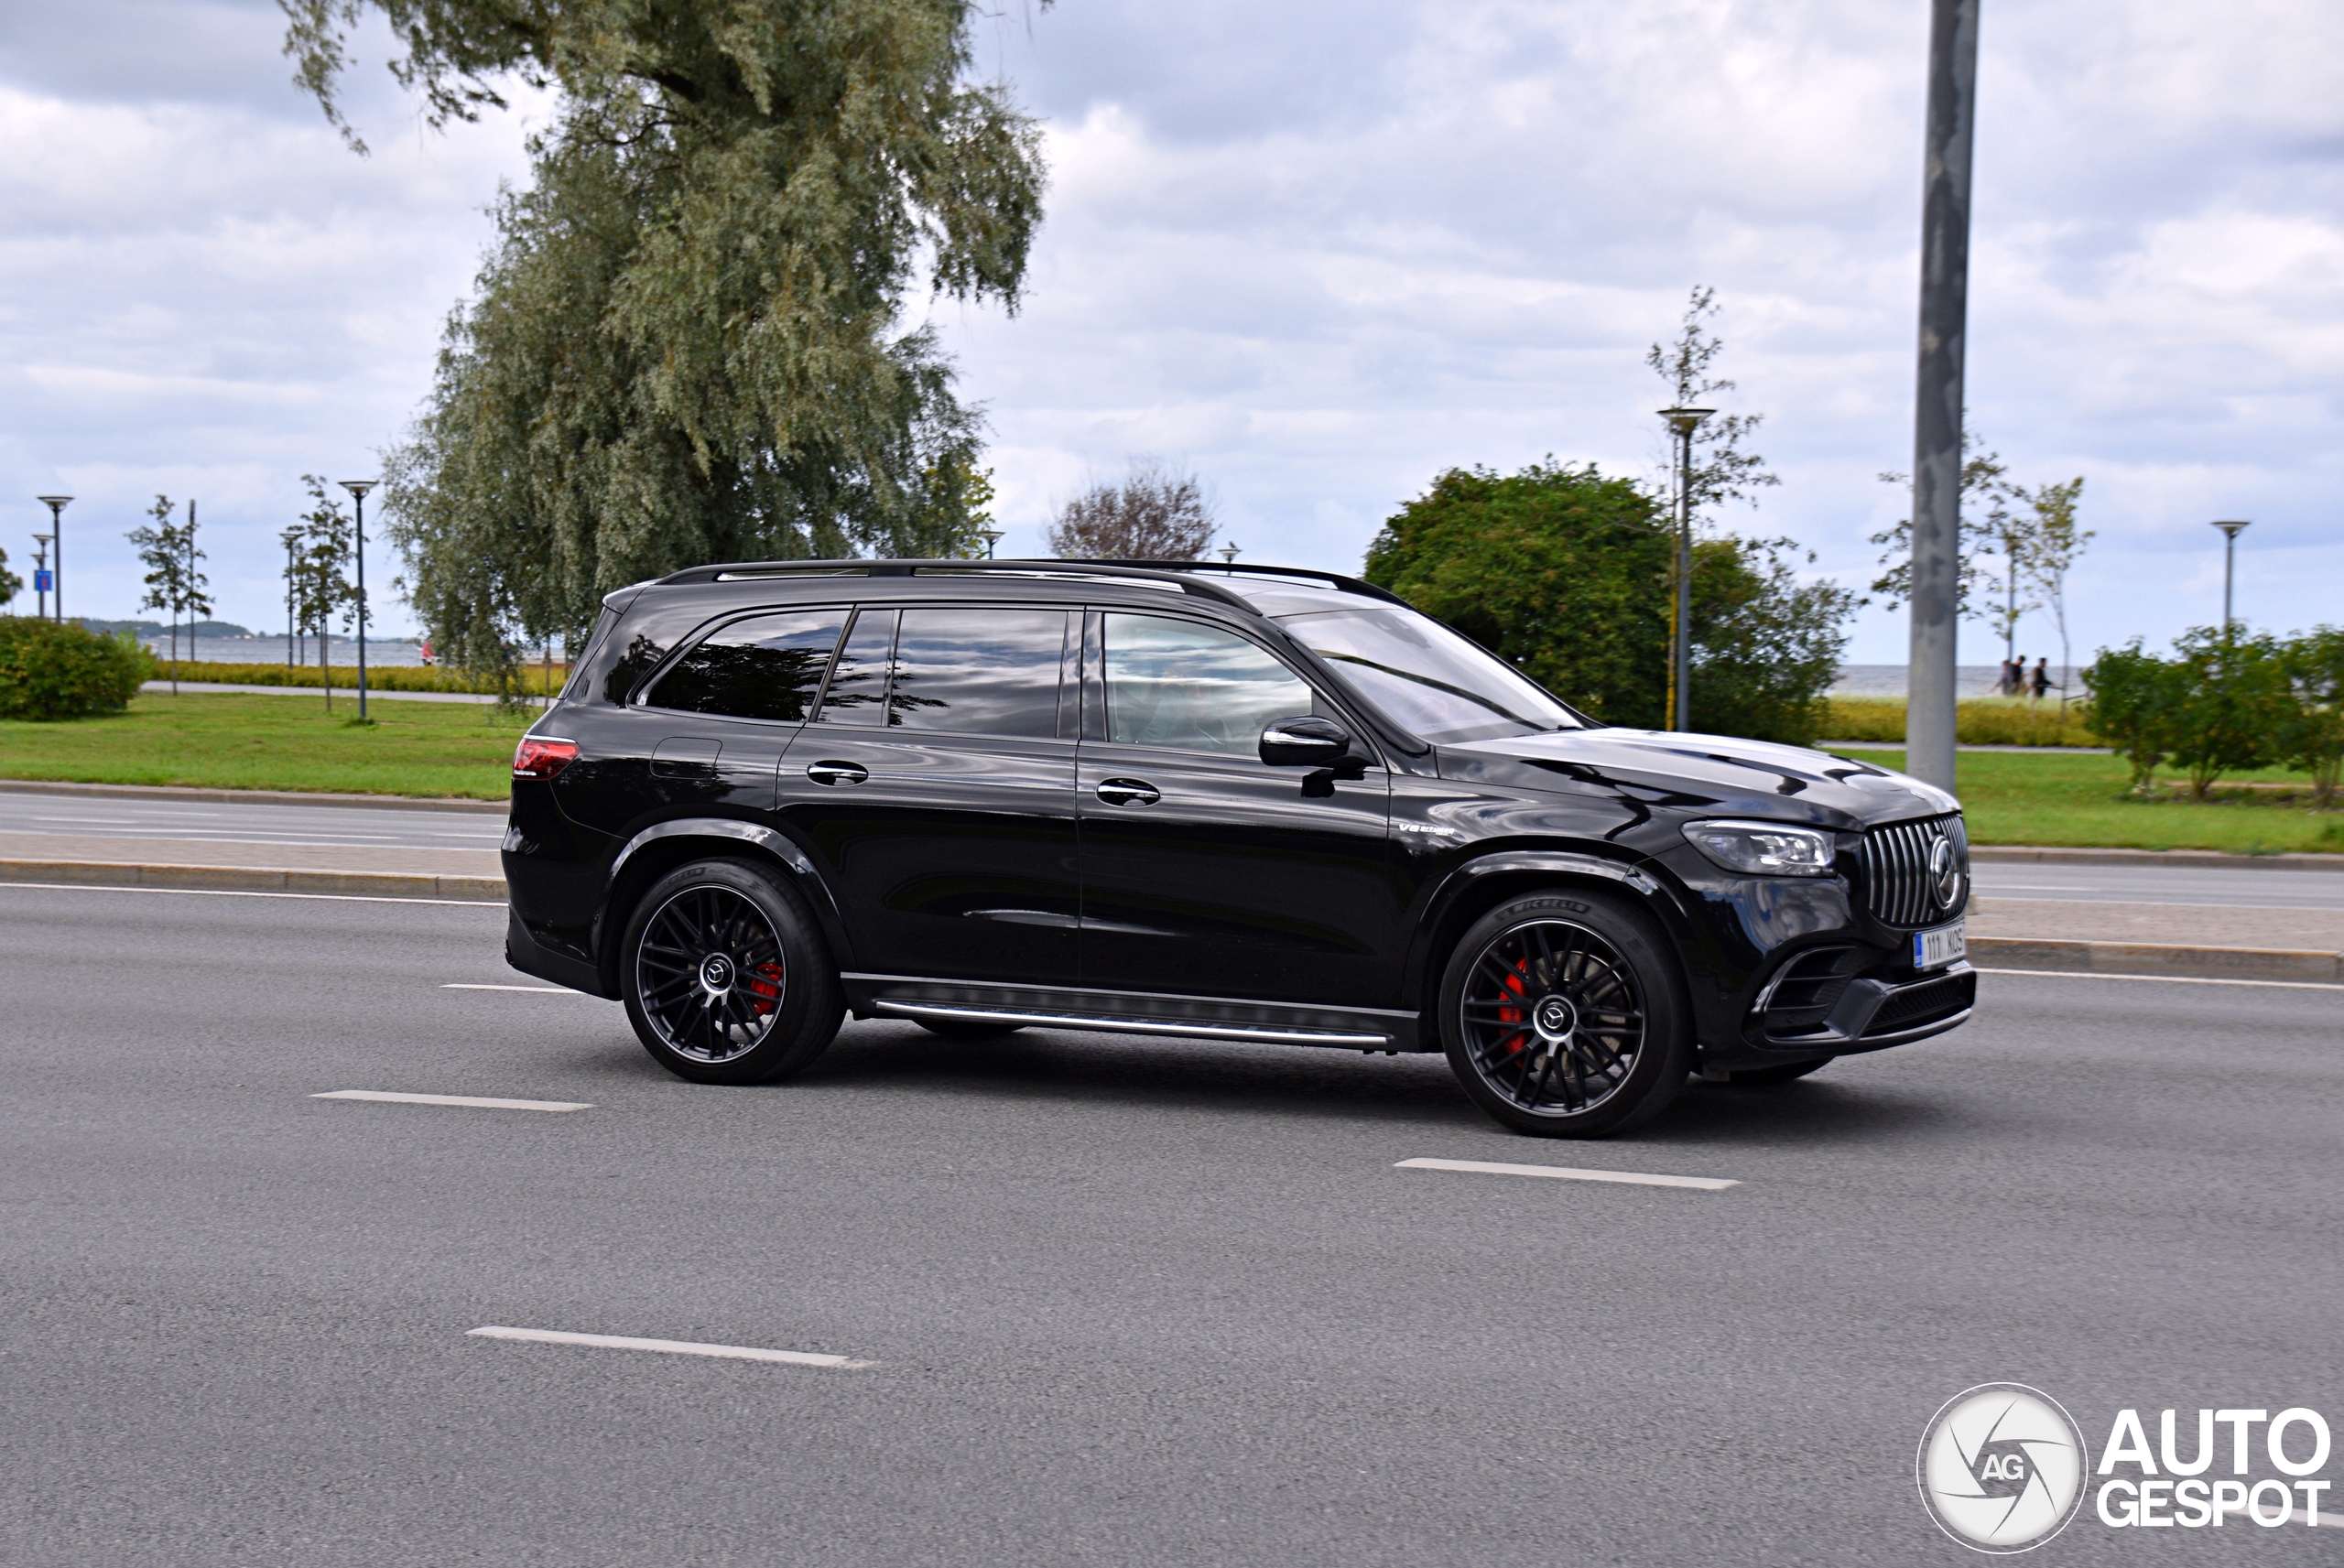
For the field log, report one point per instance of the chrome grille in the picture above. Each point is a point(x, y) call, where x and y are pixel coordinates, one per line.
point(1897, 886)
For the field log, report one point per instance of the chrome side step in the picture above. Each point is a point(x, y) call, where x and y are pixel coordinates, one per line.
point(1105, 1023)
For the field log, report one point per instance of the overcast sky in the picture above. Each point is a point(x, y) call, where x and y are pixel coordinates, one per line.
point(1319, 251)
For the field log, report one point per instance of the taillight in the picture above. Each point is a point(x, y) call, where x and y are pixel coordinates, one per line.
point(537, 757)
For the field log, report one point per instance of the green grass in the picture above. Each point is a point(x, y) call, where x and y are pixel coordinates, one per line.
point(231, 741)
point(2067, 798)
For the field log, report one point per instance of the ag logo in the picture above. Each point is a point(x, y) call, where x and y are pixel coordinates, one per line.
point(2001, 1468)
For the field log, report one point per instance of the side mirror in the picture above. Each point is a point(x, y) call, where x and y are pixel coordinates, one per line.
point(1305, 742)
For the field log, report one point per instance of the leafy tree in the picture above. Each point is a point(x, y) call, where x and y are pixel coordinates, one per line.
point(1160, 513)
point(1721, 470)
point(689, 339)
point(175, 582)
point(2232, 703)
point(1766, 646)
point(10, 583)
point(2313, 739)
point(2055, 543)
point(2135, 706)
point(1565, 572)
point(324, 546)
point(53, 670)
point(1986, 520)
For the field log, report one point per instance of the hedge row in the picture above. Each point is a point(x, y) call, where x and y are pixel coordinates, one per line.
point(379, 677)
point(1986, 721)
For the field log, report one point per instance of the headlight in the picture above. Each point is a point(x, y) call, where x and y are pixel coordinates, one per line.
point(1764, 849)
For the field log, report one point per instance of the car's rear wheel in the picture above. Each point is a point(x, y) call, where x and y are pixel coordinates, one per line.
point(726, 979)
point(1562, 1016)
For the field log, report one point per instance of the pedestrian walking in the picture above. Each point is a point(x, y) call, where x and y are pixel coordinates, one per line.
point(2042, 682)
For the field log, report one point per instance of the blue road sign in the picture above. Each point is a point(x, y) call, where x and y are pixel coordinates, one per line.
point(44, 582)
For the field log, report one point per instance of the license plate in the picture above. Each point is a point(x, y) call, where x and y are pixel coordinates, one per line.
point(1935, 949)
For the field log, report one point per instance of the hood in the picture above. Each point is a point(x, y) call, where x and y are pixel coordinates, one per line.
point(1705, 775)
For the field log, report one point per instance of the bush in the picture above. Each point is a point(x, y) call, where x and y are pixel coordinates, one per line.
point(1986, 721)
point(51, 670)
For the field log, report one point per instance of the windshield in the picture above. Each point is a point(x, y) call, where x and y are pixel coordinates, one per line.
point(1431, 681)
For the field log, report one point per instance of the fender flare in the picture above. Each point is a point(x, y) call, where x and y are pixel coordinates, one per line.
point(777, 844)
point(1443, 894)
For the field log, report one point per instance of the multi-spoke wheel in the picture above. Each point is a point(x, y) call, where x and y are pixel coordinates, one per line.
point(1561, 1017)
point(724, 977)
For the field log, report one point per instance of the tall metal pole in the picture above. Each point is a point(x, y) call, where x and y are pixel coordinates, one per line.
point(2230, 531)
point(40, 567)
point(56, 505)
point(1937, 396)
point(1682, 422)
point(358, 488)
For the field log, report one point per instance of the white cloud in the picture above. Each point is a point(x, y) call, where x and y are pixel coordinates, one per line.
point(1319, 252)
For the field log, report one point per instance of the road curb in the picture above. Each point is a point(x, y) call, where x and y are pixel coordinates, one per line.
point(2191, 860)
point(254, 879)
point(254, 796)
point(2157, 959)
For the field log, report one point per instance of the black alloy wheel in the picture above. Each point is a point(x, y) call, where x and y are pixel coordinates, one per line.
point(725, 980)
point(1561, 1017)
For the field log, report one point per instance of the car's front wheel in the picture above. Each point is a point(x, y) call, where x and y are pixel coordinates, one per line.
point(1562, 1016)
point(726, 979)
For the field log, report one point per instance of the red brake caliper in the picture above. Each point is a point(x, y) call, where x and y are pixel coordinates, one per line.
point(765, 984)
point(1513, 983)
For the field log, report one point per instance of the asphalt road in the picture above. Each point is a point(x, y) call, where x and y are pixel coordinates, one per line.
point(2186, 885)
point(1126, 1302)
point(235, 822)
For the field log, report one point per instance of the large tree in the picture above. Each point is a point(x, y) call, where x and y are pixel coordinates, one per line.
point(1160, 513)
point(690, 340)
point(1565, 572)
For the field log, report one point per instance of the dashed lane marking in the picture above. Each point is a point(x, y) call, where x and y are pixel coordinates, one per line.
point(668, 1346)
point(534, 990)
point(474, 1100)
point(1568, 1173)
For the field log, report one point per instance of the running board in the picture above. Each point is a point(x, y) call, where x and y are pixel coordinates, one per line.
point(1105, 1023)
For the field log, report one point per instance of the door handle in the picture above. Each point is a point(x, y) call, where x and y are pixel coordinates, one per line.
point(837, 773)
point(1128, 792)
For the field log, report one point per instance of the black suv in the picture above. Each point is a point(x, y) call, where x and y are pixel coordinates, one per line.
point(1239, 803)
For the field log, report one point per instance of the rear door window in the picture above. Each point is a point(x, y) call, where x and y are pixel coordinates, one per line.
point(767, 666)
point(979, 671)
point(1192, 687)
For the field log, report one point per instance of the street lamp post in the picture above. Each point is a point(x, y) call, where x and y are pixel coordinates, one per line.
point(56, 505)
point(40, 572)
point(358, 488)
point(2231, 529)
point(992, 537)
point(1683, 421)
point(1228, 554)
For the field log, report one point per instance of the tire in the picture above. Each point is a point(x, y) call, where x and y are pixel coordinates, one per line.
point(1610, 1058)
point(726, 977)
point(1758, 1078)
point(966, 1029)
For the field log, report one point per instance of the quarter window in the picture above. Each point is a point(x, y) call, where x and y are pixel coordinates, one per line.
point(1193, 688)
point(768, 666)
point(980, 672)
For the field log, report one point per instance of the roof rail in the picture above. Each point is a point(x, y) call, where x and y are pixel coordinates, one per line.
point(1155, 573)
point(1336, 579)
